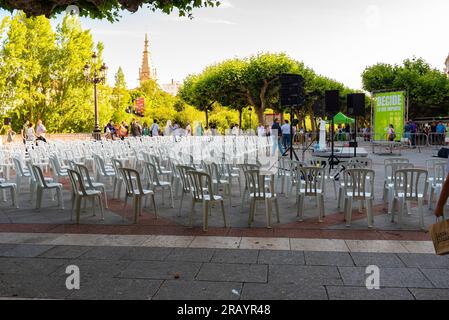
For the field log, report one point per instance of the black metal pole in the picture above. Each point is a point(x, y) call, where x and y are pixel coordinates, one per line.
point(355, 136)
point(291, 133)
point(332, 144)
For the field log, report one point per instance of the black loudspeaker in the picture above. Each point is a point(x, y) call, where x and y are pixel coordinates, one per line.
point(7, 121)
point(356, 104)
point(443, 153)
point(318, 108)
point(292, 90)
point(332, 102)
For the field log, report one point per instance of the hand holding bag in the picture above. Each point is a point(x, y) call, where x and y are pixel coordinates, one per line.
point(440, 237)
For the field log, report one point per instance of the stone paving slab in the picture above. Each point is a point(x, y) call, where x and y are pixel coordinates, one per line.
point(33, 286)
point(281, 257)
point(233, 272)
point(309, 275)
point(190, 254)
point(415, 260)
point(116, 289)
point(34, 266)
point(65, 252)
point(94, 268)
point(438, 277)
point(239, 256)
point(389, 277)
point(359, 293)
point(161, 270)
point(27, 251)
point(198, 290)
point(328, 259)
point(387, 260)
point(430, 294)
point(283, 291)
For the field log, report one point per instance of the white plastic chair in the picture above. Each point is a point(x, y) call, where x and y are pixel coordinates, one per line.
point(42, 185)
point(134, 190)
point(203, 192)
point(13, 189)
point(154, 183)
point(358, 186)
point(258, 191)
point(80, 192)
point(410, 185)
point(312, 186)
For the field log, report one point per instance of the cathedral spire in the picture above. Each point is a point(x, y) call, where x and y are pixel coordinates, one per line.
point(146, 72)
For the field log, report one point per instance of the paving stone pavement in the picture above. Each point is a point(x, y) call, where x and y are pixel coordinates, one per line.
point(135, 273)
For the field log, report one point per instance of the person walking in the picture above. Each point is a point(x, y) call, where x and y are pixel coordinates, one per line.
point(24, 130)
point(168, 131)
point(145, 130)
point(10, 135)
point(30, 133)
point(41, 131)
point(261, 131)
point(286, 135)
point(154, 129)
point(188, 129)
point(276, 135)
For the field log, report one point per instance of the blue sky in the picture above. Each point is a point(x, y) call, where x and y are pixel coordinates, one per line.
point(337, 38)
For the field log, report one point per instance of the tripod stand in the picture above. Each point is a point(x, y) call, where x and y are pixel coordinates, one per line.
point(290, 148)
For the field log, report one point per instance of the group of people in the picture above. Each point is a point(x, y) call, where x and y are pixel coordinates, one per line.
point(136, 129)
point(30, 132)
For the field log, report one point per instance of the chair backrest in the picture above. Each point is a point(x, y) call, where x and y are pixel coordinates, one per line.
point(56, 164)
point(84, 172)
point(439, 172)
point(18, 166)
point(200, 185)
point(360, 163)
point(132, 181)
point(396, 160)
point(153, 175)
point(116, 164)
point(185, 181)
point(318, 162)
point(359, 182)
point(99, 163)
point(39, 175)
point(76, 180)
point(313, 178)
point(411, 182)
point(256, 184)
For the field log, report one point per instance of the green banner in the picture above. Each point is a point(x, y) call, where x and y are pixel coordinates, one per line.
point(389, 108)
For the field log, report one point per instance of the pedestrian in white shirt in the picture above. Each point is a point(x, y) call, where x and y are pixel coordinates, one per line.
point(261, 131)
point(286, 134)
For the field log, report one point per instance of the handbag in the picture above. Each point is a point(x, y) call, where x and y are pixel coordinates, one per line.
point(439, 233)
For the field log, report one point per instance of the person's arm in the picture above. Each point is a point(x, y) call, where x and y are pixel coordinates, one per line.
point(439, 209)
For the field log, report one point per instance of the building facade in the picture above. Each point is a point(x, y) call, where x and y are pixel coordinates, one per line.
point(446, 69)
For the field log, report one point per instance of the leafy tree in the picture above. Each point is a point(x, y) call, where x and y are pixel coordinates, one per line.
point(428, 88)
point(104, 9)
point(121, 97)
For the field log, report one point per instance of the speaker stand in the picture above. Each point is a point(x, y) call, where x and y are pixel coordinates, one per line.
point(290, 147)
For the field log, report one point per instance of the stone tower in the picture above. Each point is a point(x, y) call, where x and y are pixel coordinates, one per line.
point(146, 72)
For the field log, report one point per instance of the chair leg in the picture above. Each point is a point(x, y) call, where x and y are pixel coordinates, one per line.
point(180, 206)
point(251, 210)
point(401, 210)
point(421, 212)
point(171, 197)
point(15, 203)
point(192, 212)
point(321, 207)
point(349, 211)
point(390, 201)
point(276, 206)
point(78, 209)
point(243, 200)
point(100, 204)
point(369, 212)
point(223, 213)
point(135, 208)
point(431, 197)
point(105, 198)
point(268, 212)
point(60, 198)
point(205, 215)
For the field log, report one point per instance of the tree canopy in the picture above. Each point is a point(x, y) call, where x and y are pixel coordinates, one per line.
point(253, 81)
point(104, 9)
point(428, 88)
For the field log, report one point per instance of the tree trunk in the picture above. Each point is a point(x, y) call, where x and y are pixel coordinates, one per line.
point(240, 118)
point(207, 118)
point(260, 114)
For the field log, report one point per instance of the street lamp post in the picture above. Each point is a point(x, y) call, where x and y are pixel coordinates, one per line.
point(99, 76)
